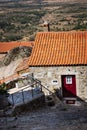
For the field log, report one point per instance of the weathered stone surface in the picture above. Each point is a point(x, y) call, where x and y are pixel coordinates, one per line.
point(47, 75)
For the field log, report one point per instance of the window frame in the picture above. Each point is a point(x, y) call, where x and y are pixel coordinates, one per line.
point(68, 79)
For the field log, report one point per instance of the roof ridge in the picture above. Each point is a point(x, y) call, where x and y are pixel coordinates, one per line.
point(72, 31)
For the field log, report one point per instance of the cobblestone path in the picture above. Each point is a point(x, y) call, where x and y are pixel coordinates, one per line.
point(48, 118)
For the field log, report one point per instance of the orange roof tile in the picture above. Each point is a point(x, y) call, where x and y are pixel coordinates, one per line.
point(59, 48)
point(23, 65)
point(9, 78)
point(6, 46)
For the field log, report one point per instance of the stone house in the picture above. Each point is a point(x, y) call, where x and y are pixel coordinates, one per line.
point(59, 61)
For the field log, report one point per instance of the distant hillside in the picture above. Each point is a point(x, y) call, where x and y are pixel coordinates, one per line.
point(22, 19)
point(37, 1)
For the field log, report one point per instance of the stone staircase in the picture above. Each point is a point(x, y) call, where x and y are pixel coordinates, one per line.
point(20, 97)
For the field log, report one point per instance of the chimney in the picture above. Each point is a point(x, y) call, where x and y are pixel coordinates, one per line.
point(46, 26)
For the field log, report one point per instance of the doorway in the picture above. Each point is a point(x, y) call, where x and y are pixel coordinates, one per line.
point(68, 86)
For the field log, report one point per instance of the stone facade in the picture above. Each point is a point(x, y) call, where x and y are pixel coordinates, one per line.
point(50, 77)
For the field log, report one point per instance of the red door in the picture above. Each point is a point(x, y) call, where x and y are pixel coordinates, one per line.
point(69, 86)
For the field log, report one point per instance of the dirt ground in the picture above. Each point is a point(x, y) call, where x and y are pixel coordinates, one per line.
point(59, 117)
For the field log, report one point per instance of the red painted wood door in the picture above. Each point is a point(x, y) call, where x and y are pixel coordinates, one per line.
point(69, 86)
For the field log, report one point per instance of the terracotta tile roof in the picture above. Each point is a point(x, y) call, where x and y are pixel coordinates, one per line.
point(23, 65)
point(59, 48)
point(9, 78)
point(6, 46)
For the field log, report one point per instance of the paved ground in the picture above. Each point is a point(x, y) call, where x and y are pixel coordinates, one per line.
point(60, 117)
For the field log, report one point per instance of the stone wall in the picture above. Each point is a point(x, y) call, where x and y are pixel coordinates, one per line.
point(30, 106)
point(51, 77)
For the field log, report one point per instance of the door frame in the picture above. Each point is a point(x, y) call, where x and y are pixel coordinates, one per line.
point(62, 85)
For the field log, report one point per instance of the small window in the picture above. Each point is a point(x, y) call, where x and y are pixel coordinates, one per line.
point(68, 79)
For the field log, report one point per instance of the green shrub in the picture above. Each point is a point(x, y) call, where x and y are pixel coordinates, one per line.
point(3, 89)
point(80, 27)
point(12, 38)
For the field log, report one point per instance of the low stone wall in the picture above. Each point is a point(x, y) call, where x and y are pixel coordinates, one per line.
point(32, 105)
point(3, 101)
